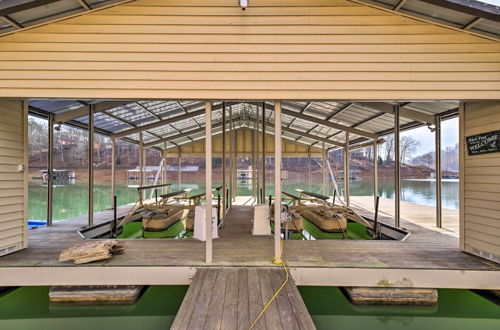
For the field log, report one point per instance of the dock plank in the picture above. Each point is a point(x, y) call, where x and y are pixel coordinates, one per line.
point(243, 299)
point(198, 316)
point(287, 315)
point(231, 305)
point(216, 306)
point(224, 310)
point(188, 304)
point(271, 315)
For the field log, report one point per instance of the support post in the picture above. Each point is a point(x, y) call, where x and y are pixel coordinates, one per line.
point(91, 164)
point(141, 164)
point(347, 170)
point(165, 168)
point(113, 172)
point(50, 171)
point(231, 159)
point(309, 176)
point(439, 203)
point(277, 181)
point(179, 165)
point(264, 150)
point(375, 172)
point(254, 161)
point(323, 156)
point(235, 162)
point(397, 168)
point(208, 182)
point(224, 161)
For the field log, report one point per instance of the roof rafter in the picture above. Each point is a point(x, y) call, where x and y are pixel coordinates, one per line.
point(81, 112)
point(329, 124)
point(163, 122)
point(405, 111)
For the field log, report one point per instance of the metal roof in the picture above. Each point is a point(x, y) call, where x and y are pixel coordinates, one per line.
point(180, 122)
point(472, 15)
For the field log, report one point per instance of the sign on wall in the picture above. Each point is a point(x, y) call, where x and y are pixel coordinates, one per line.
point(483, 143)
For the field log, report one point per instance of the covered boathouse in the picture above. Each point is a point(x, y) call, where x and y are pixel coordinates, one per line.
point(220, 78)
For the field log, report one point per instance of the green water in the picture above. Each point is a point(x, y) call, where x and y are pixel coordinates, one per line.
point(29, 308)
point(456, 310)
point(71, 201)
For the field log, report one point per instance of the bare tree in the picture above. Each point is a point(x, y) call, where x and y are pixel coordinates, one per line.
point(388, 147)
point(408, 146)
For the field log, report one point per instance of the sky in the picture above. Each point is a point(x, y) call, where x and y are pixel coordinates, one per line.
point(492, 2)
point(449, 136)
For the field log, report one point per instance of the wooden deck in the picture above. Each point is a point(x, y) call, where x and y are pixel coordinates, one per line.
point(421, 215)
point(427, 259)
point(232, 298)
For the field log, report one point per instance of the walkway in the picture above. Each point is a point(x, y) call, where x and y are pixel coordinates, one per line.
point(232, 298)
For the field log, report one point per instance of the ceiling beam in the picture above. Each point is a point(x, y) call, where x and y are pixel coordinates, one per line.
point(158, 123)
point(81, 112)
point(405, 111)
point(474, 8)
point(472, 23)
point(84, 4)
point(311, 136)
point(13, 6)
point(11, 22)
point(338, 111)
point(399, 5)
point(330, 124)
point(181, 135)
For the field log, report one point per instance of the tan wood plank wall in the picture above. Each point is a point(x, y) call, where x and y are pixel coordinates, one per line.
point(276, 49)
point(244, 146)
point(481, 184)
point(13, 181)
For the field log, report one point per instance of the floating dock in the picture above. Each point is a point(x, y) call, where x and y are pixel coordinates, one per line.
point(427, 259)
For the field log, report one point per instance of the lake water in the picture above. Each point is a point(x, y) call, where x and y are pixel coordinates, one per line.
point(71, 200)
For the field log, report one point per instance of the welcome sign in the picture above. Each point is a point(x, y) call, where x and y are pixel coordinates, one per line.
point(483, 143)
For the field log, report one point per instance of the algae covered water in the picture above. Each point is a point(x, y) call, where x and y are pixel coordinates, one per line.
point(71, 201)
point(456, 310)
point(28, 308)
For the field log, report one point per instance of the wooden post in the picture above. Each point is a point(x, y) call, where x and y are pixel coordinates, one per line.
point(165, 168)
point(179, 165)
point(439, 201)
point(347, 166)
point(397, 168)
point(91, 164)
point(224, 160)
point(323, 156)
point(141, 164)
point(113, 172)
point(208, 182)
point(50, 171)
point(264, 150)
point(461, 170)
point(375, 172)
point(254, 161)
point(231, 160)
point(277, 181)
point(309, 167)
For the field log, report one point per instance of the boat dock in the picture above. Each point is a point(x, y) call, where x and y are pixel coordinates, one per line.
point(232, 298)
point(427, 259)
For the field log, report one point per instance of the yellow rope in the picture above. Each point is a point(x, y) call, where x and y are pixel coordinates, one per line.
point(276, 261)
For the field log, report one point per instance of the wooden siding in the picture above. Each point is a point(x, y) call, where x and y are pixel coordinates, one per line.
point(13, 183)
point(481, 184)
point(244, 142)
point(211, 49)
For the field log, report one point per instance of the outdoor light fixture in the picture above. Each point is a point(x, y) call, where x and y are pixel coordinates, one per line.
point(243, 4)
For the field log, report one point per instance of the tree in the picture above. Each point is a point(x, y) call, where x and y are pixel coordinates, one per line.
point(408, 146)
point(388, 148)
